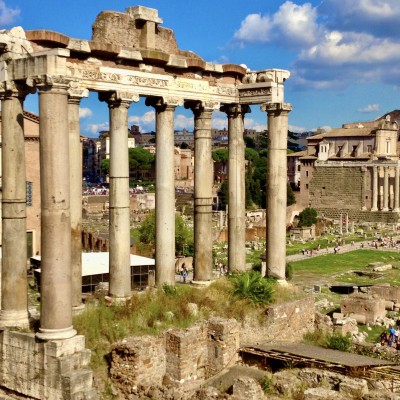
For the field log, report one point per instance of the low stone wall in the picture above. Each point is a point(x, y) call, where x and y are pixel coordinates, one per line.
point(284, 322)
point(182, 357)
point(56, 370)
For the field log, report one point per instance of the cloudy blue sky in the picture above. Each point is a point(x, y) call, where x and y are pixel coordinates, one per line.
point(344, 55)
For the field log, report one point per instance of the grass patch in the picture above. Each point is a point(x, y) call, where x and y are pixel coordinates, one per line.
point(337, 263)
point(152, 312)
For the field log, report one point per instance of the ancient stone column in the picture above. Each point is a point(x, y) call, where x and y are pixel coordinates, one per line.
point(341, 224)
point(396, 207)
point(236, 181)
point(55, 296)
point(75, 177)
point(277, 188)
point(385, 189)
point(203, 181)
point(14, 288)
point(374, 188)
point(165, 189)
point(119, 220)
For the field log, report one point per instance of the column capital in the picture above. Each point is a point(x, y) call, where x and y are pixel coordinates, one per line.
point(164, 103)
point(118, 98)
point(12, 89)
point(50, 83)
point(234, 110)
point(276, 107)
point(76, 93)
point(202, 108)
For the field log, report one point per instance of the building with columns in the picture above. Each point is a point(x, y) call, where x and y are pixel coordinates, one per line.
point(353, 170)
point(130, 56)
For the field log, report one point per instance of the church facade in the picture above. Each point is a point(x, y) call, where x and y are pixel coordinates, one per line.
point(353, 170)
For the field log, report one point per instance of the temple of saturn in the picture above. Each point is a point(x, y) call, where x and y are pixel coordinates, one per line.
point(130, 56)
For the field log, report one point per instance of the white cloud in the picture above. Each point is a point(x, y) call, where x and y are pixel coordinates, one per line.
point(85, 112)
point(294, 128)
point(369, 108)
point(291, 25)
point(219, 120)
point(7, 14)
point(296, 23)
point(337, 43)
point(96, 128)
point(254, 28)
point(183, 122)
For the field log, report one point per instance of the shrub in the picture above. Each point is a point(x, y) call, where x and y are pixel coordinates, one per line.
point(337, 341)
point(266, 384)
point(252, 286)
point(308, 217)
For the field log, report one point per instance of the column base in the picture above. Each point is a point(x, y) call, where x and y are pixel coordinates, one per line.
point(282, 282)
point(116, 300)
point(396, 210)
point(385, 209)
point(201, 283)
point(56, 334)
point(374, 209)
point(14, 319)
point(76, 310)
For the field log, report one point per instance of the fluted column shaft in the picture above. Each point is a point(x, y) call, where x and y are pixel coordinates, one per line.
point(236, 181)
point(385, 189)
point(165, 192)
point(14, 298)
point(56, 306)
point(119, 222)
point(374, 188)
point(277, 188)
point(75, 175)
point(203, 181)
point(396, 189)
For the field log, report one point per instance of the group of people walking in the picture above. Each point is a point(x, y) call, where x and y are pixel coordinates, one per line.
point(391, 338)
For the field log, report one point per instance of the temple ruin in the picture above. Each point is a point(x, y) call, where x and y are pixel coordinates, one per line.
point(130, 56)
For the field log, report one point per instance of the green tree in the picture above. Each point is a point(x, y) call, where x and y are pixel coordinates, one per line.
point(223, 195)
point(291, 199)
point(140, 158)
point(249, 142)
point(105, 166)
point(308, 217)
point(220, 155)
point(183, 235)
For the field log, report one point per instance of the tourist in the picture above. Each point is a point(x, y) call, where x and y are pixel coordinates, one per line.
point(383, 338)
point(184, 273)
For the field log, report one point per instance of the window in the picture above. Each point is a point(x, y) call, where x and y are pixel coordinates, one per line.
point(298, 168)
point(306, 173)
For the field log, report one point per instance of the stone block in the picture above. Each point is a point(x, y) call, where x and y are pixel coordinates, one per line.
point(365, 305)
point(58, 348)
point(77, 381)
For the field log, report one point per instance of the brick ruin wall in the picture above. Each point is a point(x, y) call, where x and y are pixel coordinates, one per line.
point(283, 322)
point(341, 190)
point(187, 357)
point(180, 357)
